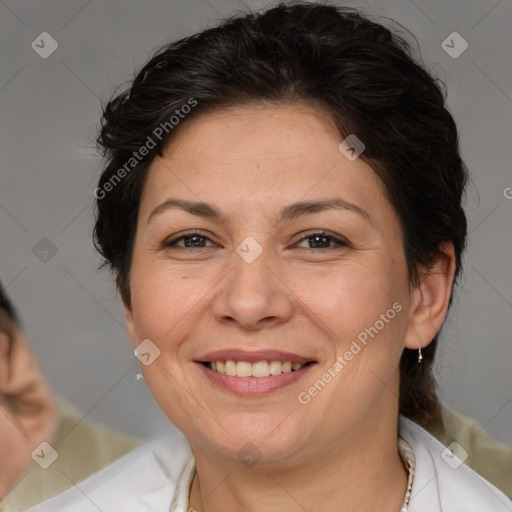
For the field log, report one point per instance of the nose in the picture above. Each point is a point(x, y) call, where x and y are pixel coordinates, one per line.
point(253, 296)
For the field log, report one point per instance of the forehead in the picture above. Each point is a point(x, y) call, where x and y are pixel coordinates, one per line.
point(255, 132)
point(248, 154)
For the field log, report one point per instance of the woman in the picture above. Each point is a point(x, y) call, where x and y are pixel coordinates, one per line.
point(282, 209)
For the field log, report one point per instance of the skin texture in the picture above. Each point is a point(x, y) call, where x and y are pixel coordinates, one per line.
point(27, 409)
point(339, 451)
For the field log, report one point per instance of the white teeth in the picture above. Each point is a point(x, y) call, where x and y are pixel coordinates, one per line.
point(276, 367)
point(230, 367)
point(287, 367)
point(243, 369)
point(258, 369)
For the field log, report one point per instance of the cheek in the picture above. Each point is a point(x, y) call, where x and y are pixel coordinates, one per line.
point(361, 312)
point(14, 446)
point(346, 299)
point(165, 301)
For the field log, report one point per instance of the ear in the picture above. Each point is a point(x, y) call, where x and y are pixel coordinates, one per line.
point(430, 300)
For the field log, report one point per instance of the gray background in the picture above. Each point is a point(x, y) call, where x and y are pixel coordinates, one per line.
point(50, 110)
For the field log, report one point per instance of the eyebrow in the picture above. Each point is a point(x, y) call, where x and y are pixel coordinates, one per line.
point(290, 212)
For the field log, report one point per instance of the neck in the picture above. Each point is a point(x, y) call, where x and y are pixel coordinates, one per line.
point(351, 476)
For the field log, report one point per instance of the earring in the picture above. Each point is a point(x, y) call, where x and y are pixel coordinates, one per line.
point(420, 356)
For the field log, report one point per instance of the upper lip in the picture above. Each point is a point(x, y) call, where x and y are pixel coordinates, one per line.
point(254, 356)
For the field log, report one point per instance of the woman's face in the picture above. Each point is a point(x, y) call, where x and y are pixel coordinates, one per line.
point(248, 276)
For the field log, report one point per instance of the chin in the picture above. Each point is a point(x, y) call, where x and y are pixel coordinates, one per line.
point(262, 440)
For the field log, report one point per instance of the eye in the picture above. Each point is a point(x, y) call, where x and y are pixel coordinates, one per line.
point(317, 240)
point(21, 406)
point(322, 240)
point(190, 241)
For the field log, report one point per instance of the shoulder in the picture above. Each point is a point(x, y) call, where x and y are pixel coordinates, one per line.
point(486, 456)
point(142, 480)
point(442, 482)
point(101, 444)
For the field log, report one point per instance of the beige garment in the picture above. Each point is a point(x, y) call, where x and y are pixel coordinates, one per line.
point(488, 458)
point(82, 448)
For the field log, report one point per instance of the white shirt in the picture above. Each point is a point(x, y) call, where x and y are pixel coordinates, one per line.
point(156, 476)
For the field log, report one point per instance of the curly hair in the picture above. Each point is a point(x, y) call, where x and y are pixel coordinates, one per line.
point(363, 74)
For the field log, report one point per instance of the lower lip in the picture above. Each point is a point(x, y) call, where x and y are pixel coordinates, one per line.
point(254, 386)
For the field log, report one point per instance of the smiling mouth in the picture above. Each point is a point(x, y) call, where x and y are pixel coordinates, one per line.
point(257, 369)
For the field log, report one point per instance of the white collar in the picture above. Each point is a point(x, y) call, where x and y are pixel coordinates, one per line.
point(182, 492)
point(441, 487)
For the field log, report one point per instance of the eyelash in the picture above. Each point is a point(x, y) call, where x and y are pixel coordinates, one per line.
point(338, 243)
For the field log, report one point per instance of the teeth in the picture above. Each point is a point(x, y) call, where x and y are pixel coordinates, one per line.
point(258, 369)
point(276, 367)
point(243, 369)
point(230, 367)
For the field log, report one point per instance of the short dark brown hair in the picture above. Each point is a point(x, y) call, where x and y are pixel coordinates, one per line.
point(358, 70)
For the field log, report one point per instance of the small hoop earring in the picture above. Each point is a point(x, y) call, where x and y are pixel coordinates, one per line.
point(420, 356)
